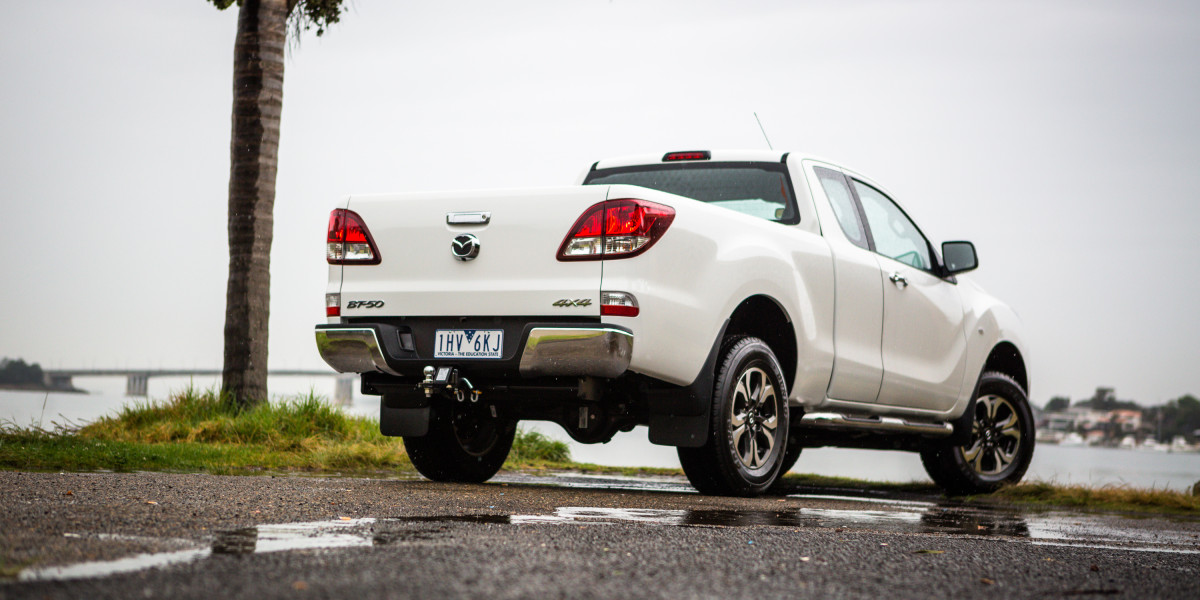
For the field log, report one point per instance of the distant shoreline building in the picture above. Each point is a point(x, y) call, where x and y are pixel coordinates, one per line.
point(1093, 423)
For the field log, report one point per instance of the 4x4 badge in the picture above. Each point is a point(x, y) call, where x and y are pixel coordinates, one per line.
point(465, 247)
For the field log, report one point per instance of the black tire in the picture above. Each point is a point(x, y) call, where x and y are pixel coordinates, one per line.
point(791, 454)
point(1001, 446)
point(750, 388)
point(464, 444)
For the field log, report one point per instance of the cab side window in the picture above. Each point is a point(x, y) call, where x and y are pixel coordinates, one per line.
point(842, 203)
point(894, 234)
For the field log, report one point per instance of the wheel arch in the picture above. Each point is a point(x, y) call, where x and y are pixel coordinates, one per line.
point(1006, 358)
point(764, 317)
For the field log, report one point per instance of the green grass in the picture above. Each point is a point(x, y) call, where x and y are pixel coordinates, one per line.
point(191, 416)
point(531, 447)
point(1121, 498)
point(201, 432)
point(1110, 498)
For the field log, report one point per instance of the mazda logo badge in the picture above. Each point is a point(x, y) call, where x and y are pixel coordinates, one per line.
point(465, 247)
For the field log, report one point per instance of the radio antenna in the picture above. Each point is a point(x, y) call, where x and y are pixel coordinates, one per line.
point(764, 131)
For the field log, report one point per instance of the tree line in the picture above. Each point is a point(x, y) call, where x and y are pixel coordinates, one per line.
point(18, 372)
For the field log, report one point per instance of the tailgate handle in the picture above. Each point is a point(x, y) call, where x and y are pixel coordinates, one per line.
point(468, 218)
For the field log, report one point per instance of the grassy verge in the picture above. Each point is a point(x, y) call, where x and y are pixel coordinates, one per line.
point(1115, 498)
point(200, 432)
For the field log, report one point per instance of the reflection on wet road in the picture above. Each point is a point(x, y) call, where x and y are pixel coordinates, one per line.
point(829, 512)
point(246, 540)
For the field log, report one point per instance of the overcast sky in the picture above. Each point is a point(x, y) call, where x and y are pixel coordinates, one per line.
point(1063, 138)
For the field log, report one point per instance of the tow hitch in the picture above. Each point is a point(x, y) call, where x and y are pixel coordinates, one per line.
point(447, 379)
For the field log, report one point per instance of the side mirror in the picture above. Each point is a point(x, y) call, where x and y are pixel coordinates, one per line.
point(959, 257)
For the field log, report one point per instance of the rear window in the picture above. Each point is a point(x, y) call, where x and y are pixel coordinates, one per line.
point(757, 189)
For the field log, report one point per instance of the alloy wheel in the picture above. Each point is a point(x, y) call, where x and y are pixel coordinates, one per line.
point(754, 418)
point(995, 436)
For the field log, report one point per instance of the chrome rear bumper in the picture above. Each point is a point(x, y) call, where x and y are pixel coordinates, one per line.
point(352, 350)
point(568, 351)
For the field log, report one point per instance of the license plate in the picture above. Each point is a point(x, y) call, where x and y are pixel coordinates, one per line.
point(468, 343)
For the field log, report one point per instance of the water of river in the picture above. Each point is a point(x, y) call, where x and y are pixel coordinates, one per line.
point(1059, 464)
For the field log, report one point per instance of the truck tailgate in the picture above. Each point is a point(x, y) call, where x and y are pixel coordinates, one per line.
point(515, 273)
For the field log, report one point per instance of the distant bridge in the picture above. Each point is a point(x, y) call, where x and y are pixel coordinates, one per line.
point(136, 379)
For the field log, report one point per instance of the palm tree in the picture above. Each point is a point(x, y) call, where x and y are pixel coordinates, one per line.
point(258, 61)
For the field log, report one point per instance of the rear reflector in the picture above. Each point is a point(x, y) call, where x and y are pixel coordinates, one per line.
point(616, 229)
point(689, 155)
point(618, 304)
point(333, 305)
point(348, 241)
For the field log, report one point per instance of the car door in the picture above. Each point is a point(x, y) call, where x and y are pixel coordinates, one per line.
point(923, 342)
point(858, 300)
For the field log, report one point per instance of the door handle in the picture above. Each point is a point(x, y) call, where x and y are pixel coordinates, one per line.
point(899, 280)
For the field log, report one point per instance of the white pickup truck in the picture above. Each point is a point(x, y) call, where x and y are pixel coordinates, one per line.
point(742, 304)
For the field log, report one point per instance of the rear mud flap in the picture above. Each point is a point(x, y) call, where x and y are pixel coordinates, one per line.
point(411, 422)
point(681, 416)
point(674, 430)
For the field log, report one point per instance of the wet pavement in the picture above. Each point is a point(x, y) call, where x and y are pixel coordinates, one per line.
point(559, 535)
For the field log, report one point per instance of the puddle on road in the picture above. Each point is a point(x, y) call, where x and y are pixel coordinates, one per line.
point(1044, 529)
point(478, 519)
point(110, 567)
point(292, 536)
point(600, 482)
point(934, 521)
point(901, 515)
point(247, 540)
point(896, 517)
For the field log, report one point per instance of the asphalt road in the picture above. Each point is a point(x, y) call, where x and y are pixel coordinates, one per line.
point(154, 535)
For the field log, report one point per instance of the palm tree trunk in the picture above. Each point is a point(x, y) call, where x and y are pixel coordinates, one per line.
point(258, 55)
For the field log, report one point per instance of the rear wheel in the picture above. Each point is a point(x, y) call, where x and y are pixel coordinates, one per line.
point(1001, 445)
point(464, 444)
point(748, 427)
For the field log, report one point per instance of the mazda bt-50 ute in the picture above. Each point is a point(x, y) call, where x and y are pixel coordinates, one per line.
point(742, 305)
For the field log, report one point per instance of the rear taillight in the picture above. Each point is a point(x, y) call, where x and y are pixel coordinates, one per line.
point(349, 241)
point(616, 229)
point(333, 305)
point(618, 304)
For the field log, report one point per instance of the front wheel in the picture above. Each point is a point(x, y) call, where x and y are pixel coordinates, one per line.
point(749, 424)
point(464, 444)
point(1001, 445)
